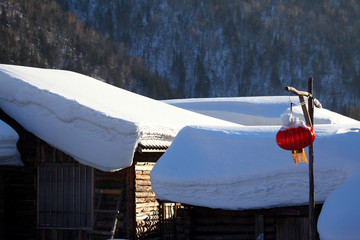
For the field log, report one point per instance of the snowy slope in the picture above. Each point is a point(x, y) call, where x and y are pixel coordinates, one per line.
point(98, 124)
point(243, 168)
point(9, 154)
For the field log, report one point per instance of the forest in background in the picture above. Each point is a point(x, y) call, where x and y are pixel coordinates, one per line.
point(215, 48)
point(39, 33)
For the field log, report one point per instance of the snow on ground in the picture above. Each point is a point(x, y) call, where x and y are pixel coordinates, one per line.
point(98, 124)
point(243, 168)
point(9, 154)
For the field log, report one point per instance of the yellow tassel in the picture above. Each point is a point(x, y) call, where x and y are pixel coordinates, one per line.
point(299, 156)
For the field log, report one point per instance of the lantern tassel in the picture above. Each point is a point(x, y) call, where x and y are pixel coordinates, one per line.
point(299, 156)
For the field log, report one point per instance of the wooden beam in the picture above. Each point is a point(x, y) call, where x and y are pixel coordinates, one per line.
point(312, 224)
point(297, 92)
point(259, 227)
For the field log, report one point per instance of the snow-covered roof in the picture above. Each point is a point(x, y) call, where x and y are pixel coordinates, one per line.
point(255, 111)
point(9, 154)
point(98, 124)
point(243, 168)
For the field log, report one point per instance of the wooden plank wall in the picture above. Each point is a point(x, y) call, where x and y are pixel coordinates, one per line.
point(19, 201)
point(115, 181)
point(102, 180)
point(49, 155)
point(2, 206)
point(192, 222)
point(146, 205)
point(18, 190)
point(206, 223)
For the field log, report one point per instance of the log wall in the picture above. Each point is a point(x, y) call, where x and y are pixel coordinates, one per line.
point(206, 223)
point(192, 222)
point(18, 189)
point(146, 205)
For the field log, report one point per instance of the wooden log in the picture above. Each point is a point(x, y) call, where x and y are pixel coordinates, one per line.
point(146, 211)
point(145, 194)
point(259, 226)
point(144, 167)
point(145, 200)
point(145, 163)
point(143, 177)
point(142, 182)
point(240, 236)
point(225, 229)
point(141, 216)
point(147, 204)
point(143, 188)
point(142, 172)
point(214, 220)
point(109, 225)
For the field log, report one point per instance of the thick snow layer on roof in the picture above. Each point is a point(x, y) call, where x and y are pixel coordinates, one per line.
point(98, 124)
point(9, 154)
point(243, 168)
point(243, 110)
point(260, 110)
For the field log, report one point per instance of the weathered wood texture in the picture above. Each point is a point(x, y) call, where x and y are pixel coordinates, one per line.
point(146, 205)
point(138, 217)
point(19, 194)
point(2, 206)
point(18, 203)
point(193, 222)
point(105, 209)
point(59, 168)
point(108, 188)
point(18, 189)
point(205, 223)
point(295, 228)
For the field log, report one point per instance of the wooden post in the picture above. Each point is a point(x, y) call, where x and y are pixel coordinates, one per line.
point(309, 119)
point(312, 222)
point(259, 227)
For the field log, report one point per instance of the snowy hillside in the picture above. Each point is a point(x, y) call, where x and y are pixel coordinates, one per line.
point(239, 48)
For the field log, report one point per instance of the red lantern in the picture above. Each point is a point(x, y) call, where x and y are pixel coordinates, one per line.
point(296, 138)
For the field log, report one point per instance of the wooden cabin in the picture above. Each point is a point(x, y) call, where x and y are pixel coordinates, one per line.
point(185, 222)
point(55, 197)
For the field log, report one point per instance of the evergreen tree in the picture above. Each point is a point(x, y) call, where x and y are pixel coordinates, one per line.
point(179, 71)
point(202, 86)
point(3, 17)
